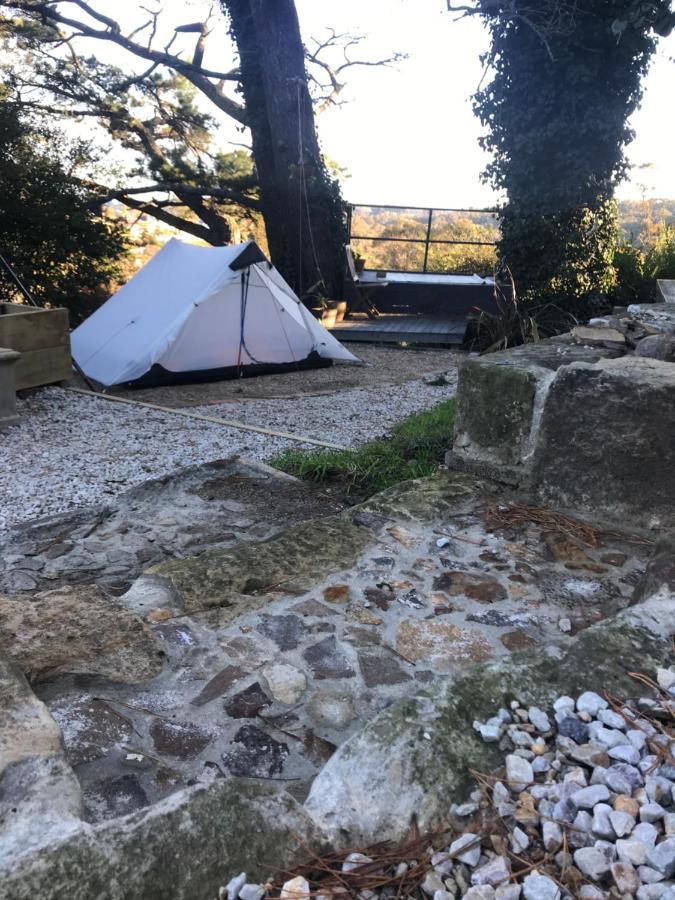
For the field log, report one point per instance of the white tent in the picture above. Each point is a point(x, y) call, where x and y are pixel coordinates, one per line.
point(199, 313)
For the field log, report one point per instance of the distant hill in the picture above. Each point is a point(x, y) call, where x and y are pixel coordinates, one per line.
point(636, 215)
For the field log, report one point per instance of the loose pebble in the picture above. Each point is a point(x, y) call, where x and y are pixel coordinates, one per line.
point(578, 781)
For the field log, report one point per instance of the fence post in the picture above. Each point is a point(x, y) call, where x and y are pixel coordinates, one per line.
point(428, 238)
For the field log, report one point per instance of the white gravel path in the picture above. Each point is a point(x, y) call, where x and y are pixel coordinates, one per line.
point(69, 450)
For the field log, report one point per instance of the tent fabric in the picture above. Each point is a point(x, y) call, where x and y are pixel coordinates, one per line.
point(193, 309)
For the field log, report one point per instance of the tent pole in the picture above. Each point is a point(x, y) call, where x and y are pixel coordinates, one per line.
point(17, 281)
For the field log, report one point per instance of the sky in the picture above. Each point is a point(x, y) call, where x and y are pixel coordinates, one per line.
point(407, 134)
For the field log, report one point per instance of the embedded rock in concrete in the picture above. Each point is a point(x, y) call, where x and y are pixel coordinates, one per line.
point(255, 754)
point(184, 740)
point(379, 669)
point(483, 588)
point(326, 660)
point(180, 848)
point(499, 400)
point(242, 578)
point(286, 683)
point(247, 703)
point(219, 684)
point(606, 441)
point(331, 709)
point(80, 631)
point(443, 645)
point(286, 631)
point(414, 757)
point(93, 728)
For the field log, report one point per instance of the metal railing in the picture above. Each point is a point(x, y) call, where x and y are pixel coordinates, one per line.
point(425, 218)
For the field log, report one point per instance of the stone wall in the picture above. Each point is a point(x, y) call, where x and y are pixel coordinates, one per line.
point(585, 420)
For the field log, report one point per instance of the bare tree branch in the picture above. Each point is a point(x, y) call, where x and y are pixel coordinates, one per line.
point(199, 76)
point(178, 189)
point(181, 224)
point(330, 89)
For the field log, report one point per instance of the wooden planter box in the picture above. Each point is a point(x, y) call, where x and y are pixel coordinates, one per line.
point(42, 337)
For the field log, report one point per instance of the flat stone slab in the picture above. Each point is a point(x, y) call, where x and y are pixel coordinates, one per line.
point(245, 575)
point(197, 509)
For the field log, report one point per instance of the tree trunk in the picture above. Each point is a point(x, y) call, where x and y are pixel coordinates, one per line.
point(301, 203)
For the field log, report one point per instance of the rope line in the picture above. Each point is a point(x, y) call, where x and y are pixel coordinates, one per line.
point(241, 426)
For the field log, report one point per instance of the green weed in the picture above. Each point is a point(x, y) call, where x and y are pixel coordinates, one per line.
point(415, 449)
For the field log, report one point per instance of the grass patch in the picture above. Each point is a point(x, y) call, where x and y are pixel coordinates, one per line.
point(415, 449)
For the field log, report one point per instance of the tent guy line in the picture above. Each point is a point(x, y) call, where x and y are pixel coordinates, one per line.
point(302, 439)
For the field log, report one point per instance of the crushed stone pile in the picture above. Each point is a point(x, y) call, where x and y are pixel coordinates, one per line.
point(583, 807)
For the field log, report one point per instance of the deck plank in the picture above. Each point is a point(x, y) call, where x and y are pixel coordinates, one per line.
point(400, 328)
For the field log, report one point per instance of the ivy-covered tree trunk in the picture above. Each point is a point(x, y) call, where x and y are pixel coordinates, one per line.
point(301, 203)
point(566, 79)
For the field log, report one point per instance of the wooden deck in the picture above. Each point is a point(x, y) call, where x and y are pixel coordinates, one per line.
point(398, 329)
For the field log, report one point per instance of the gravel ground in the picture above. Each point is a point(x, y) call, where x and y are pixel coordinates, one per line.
point(383, 366)
point(70, 450)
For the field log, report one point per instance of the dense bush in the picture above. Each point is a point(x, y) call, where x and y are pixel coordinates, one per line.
point(637, 268)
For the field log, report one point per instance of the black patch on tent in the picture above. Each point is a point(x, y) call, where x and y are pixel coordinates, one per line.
point(250, 255)
point(158, 375)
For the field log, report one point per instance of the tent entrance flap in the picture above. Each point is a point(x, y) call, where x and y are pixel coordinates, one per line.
point(190, 315)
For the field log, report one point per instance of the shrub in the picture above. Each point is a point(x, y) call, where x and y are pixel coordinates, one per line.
point(637, 269)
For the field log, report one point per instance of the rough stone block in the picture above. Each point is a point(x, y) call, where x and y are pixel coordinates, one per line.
point(184, 847)
point(499, 403)
point(606, 443)
point(39, 794)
